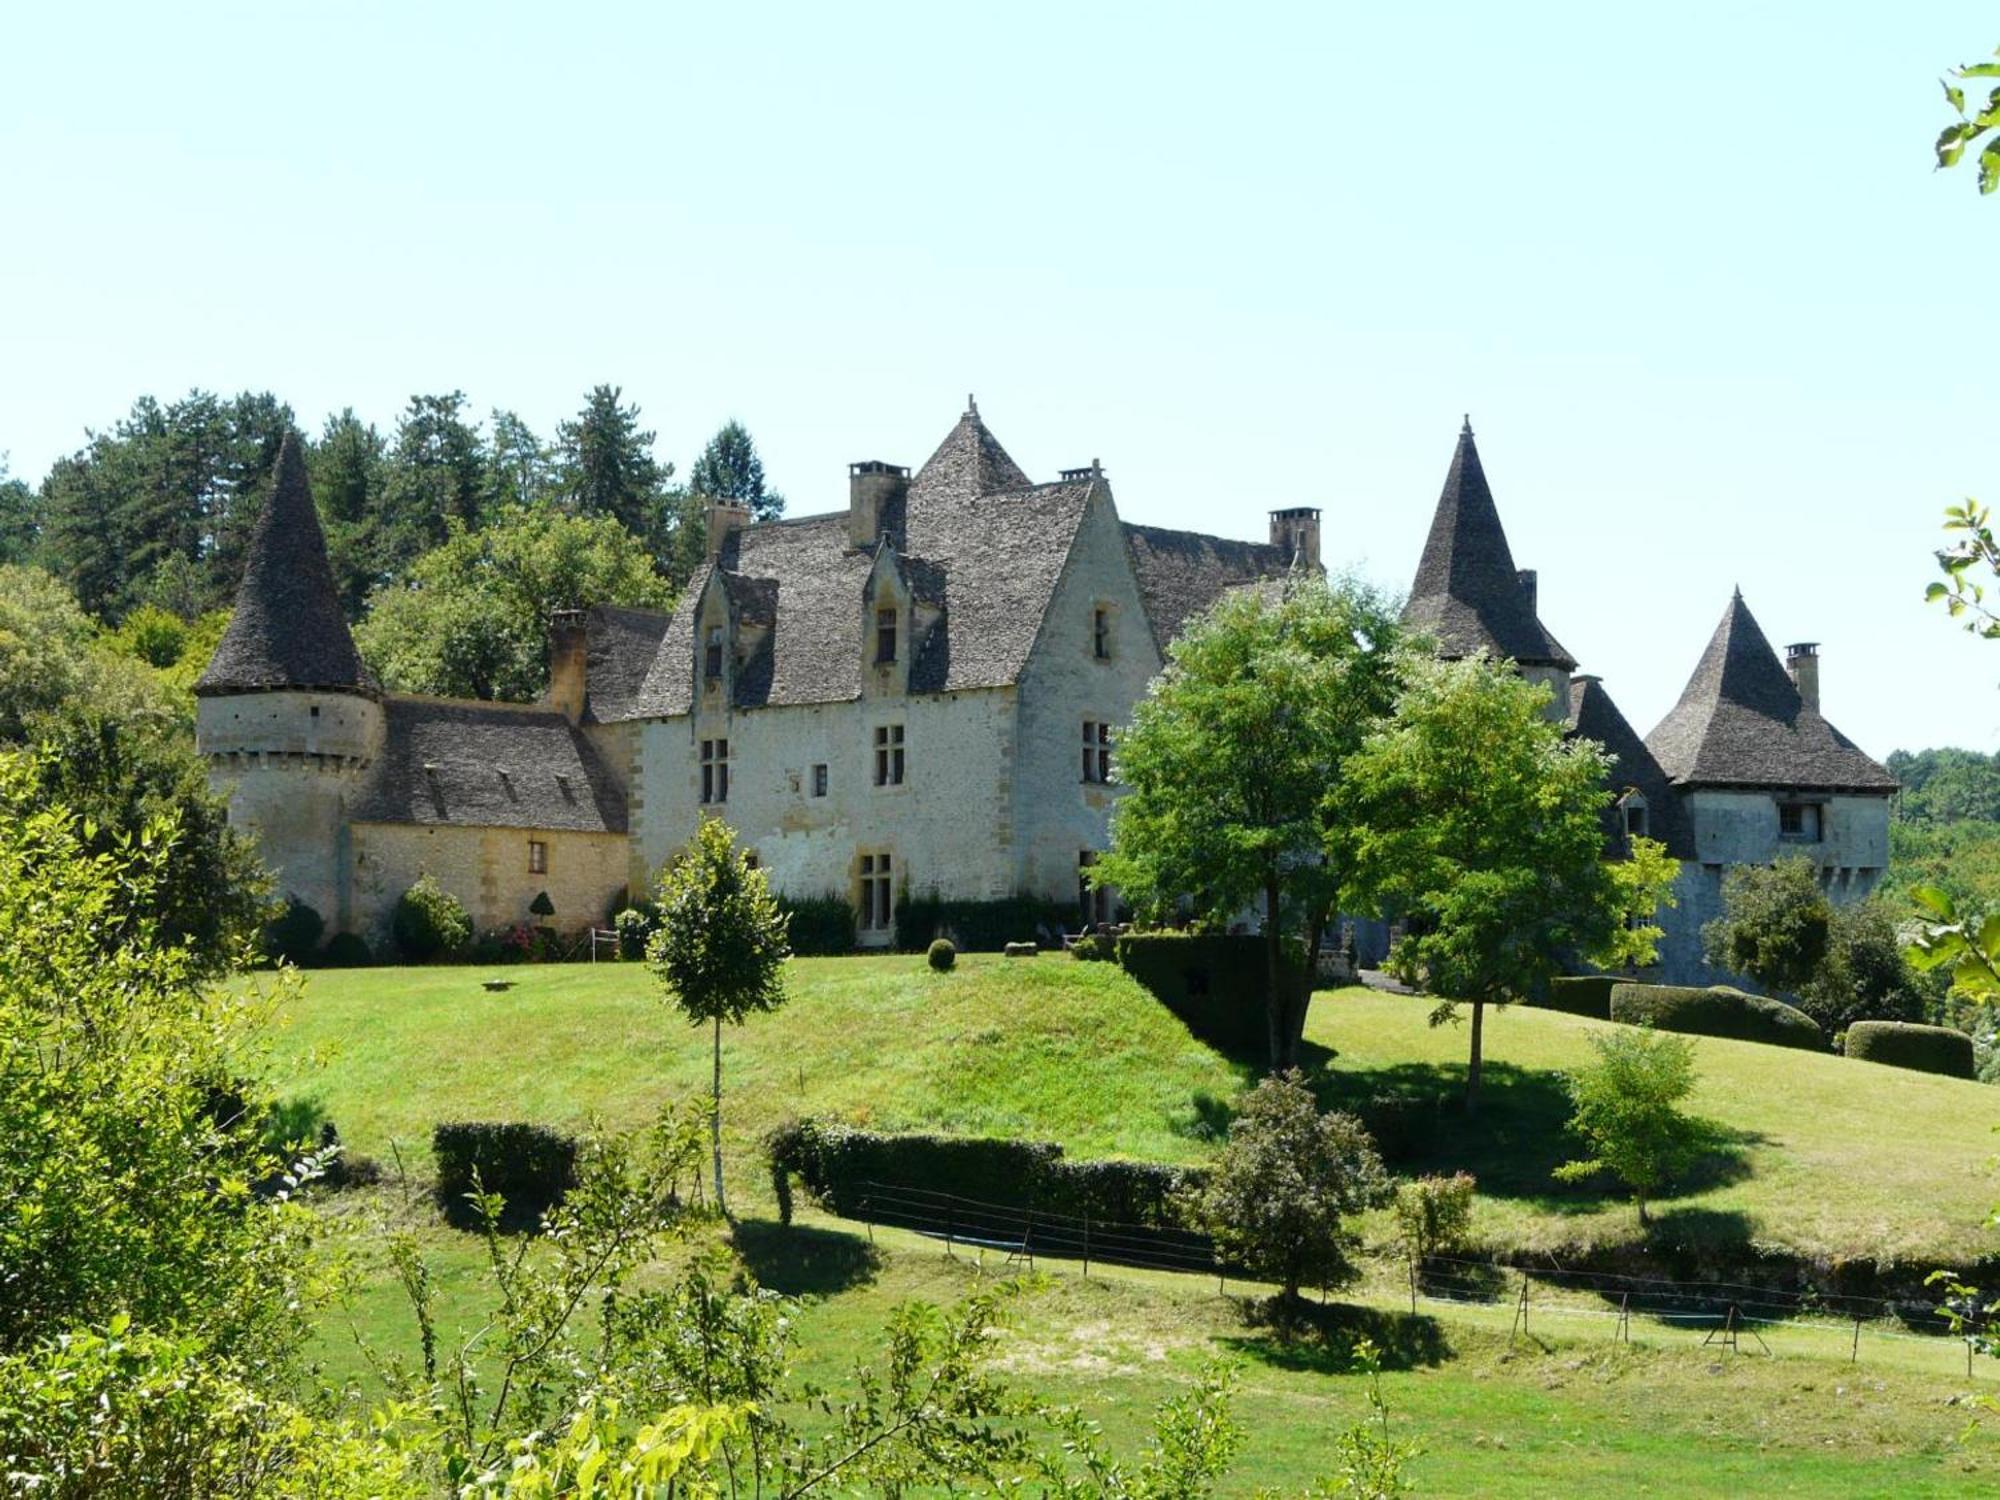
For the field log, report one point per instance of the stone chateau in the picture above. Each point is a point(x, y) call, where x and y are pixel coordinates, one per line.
point(918, 693)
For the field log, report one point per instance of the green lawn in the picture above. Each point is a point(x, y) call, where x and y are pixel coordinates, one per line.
point(1825, 1157)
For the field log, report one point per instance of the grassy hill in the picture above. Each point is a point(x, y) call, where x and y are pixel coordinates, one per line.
point(1822, 1157)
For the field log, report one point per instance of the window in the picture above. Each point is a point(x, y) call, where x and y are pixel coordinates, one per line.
point(885, 636)
point(1096, 750)
point(1799, 821)
point(888, 755)
point(1100, 633)
point(877, 894)
point(1635, 816)
point(538, 857)
point(711, 662)
point(1094, 902)
point(819, 779)
point(715, 770)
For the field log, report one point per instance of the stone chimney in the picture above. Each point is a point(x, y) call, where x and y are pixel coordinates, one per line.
point(569, 663)
point(1802, 661)
point(724, 517)
point(1297, 532)
point(872, 486)
point(1531, 586)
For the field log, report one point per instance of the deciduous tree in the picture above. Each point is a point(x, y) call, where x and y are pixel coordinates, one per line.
point(1628, 1111)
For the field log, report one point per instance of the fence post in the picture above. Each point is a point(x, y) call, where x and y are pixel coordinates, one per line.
point(1086, 1244)
point(1520, 1311)
point(1625, 1317)
point(950, 1226)
point(1854, 1357)
point(1413, 1283)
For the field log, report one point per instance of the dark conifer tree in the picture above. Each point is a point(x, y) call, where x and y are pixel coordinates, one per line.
point(605, 465)
point(437, 473)
point(349, 469)
point(729, 469)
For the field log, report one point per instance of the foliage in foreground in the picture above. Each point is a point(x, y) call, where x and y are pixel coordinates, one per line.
point(1628, 1111)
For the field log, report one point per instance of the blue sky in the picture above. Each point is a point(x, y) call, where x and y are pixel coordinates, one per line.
point(1715, 319)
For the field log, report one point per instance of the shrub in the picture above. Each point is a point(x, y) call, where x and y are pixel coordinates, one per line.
point(346, 950)
point(1434, 1214)
point(530, 1167)
point(430, 921)
point(1215, 984)
point(942, 956)
point(1093, 948)
point(822, 926)
point(542, 906)
point(1628, 1111)
point(293, 935)
point(1719, 1011)
point(1899, 1044)
point(979, 926)
point(1578, 995)
point(634, 926)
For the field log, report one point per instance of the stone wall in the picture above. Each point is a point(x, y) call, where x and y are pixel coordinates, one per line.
point(487, 869)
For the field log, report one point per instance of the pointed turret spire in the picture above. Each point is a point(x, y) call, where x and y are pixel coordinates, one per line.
point(1468, 592)
point(287, 630)
point(969, 463)
point(1740, 721)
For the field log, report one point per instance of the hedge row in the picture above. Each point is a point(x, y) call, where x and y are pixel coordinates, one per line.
point(1718, 1011)
point(1216, 984)
point(835, 1162)
point(1901, 1044)
point(980, 926)
point(821, 926)
point(1579, 995)
point(530, 1166)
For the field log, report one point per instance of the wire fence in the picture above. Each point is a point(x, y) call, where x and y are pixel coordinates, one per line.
point(1719, 1309)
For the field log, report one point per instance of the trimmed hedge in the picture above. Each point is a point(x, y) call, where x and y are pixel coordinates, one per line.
point(942, 956)
point(530, 1166)
point(293, 935)
point(346, 950)
point(821, 926)
point(1902, 1044)
point(1216, 984)
point(979, 926)
point(835, 1162)
point(1719, 1011)
point(1579, 995)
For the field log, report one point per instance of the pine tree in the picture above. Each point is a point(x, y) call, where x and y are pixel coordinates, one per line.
point(348, 467)
point(729, 469)
point(20, 518)
point(437, 474)
point(521, 471)
point(605, 464)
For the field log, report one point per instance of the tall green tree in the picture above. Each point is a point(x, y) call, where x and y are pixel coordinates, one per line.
point(1471, 817)
point(349, 469)
point(20, 517)
point(729, 469)
point(471, 618)
point(1233, 764)
point(437, 474)
point(605, 464)
point(720, 948)
point(1776, 924)
point(522, 464)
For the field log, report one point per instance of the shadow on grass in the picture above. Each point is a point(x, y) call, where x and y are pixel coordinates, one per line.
point(800, 1260)
point(1416, 1111)
point(1321, 1336)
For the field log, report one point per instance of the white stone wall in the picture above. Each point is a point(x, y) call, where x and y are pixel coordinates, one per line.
point(1056, 813)
point(948, 827)
point(1741, 827)
point(487, 869)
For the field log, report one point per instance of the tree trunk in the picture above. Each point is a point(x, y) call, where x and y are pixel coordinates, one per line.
point(1472, 1073)
point(1295, 1021)
point(1277, 1005)
point(715, 1122)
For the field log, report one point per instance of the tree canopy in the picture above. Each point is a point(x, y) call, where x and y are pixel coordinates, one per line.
point(729, 469)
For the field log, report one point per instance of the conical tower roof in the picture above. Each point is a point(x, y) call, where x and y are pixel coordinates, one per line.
point(969, 463)
point(1740, 722)
point(1467, 591)
point(1594, 716)
point(287, 630)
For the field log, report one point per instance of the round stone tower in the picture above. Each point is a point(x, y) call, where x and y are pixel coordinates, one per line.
point(286, 715)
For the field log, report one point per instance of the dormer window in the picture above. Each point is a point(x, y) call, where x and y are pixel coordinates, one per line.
point(1100, 633)
point(885, 637)
point(711, 655)
point(1635, 812)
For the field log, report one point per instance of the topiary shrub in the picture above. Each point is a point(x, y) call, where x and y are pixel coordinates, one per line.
point(430, 921)
point(1900, 1044)
point(542, 906)
point(1093, 948)
point(941, 955)
point(529, 1166)
point(293, 935)
point(822, 926)
point(346, 950)
point(1578, 995)
point(1719, 1011)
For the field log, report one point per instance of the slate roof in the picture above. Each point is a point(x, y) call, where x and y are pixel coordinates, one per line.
point(1182, 573)
point(1740, 722)
point(986, 560)
point(1468, 593)
point(1593, 715)
point(460, 764)
point(620, 645)
point(287, 630)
